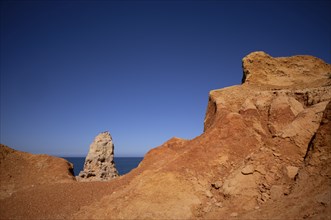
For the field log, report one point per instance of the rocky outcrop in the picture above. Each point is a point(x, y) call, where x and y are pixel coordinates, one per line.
point(20, 171)
point(251, 160)
point(99, 163)
point(264, 154)
point(297, 72)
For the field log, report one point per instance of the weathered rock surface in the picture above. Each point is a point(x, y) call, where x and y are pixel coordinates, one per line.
point(99, 163)
point(21, 171)
point(297, 72)
point(265, 154)
point(292, 171)
point(253, 133)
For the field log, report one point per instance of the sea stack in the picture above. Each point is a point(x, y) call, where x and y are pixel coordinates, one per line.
point(99, 163)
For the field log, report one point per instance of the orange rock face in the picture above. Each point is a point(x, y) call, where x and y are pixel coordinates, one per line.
point(265, 153)
point(285, 72)
point(20, 171)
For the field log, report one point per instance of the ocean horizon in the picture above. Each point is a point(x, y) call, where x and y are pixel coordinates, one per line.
point(123, 164)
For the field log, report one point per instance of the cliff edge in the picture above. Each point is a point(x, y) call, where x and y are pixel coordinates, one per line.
point(21, 170)
point(265, 153)
point(254, 158)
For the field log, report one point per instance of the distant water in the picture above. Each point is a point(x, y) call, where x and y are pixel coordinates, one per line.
point(123, 164)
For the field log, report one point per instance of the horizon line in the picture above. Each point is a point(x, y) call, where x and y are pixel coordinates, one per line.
point(62, 156)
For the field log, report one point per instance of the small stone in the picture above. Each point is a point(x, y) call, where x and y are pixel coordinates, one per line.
point(292, 171)
point(276, 154)
point(249, 169)
point(234, 214)
point(257, 207)
point(217, 184)
point(287, 191)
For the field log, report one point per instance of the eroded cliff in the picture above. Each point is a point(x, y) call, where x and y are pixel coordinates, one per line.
point(264, 153)
point(21, 170)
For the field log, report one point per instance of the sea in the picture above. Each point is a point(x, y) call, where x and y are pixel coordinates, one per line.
point(123, 164)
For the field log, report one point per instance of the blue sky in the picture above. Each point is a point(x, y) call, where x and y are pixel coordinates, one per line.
point(140, 69)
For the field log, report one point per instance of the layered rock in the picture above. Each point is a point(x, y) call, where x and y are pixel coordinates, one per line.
point(260, 69)
point(99, 163)
point(265, 153)
point(251, 160)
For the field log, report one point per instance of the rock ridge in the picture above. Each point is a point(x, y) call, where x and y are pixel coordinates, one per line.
point(20, 170)
point(303, 71)
point(264, 154)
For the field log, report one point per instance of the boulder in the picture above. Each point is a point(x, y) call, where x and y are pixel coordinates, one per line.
point(249, 169)
point(292, 171)
point(99, 163)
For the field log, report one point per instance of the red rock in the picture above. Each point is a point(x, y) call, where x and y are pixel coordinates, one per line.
point(20, 170)
point(283, 104)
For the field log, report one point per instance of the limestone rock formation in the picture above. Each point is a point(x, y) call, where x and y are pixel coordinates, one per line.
point(99, 163)
point(265, 153)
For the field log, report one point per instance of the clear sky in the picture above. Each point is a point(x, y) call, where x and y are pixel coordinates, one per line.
point(140, 69)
